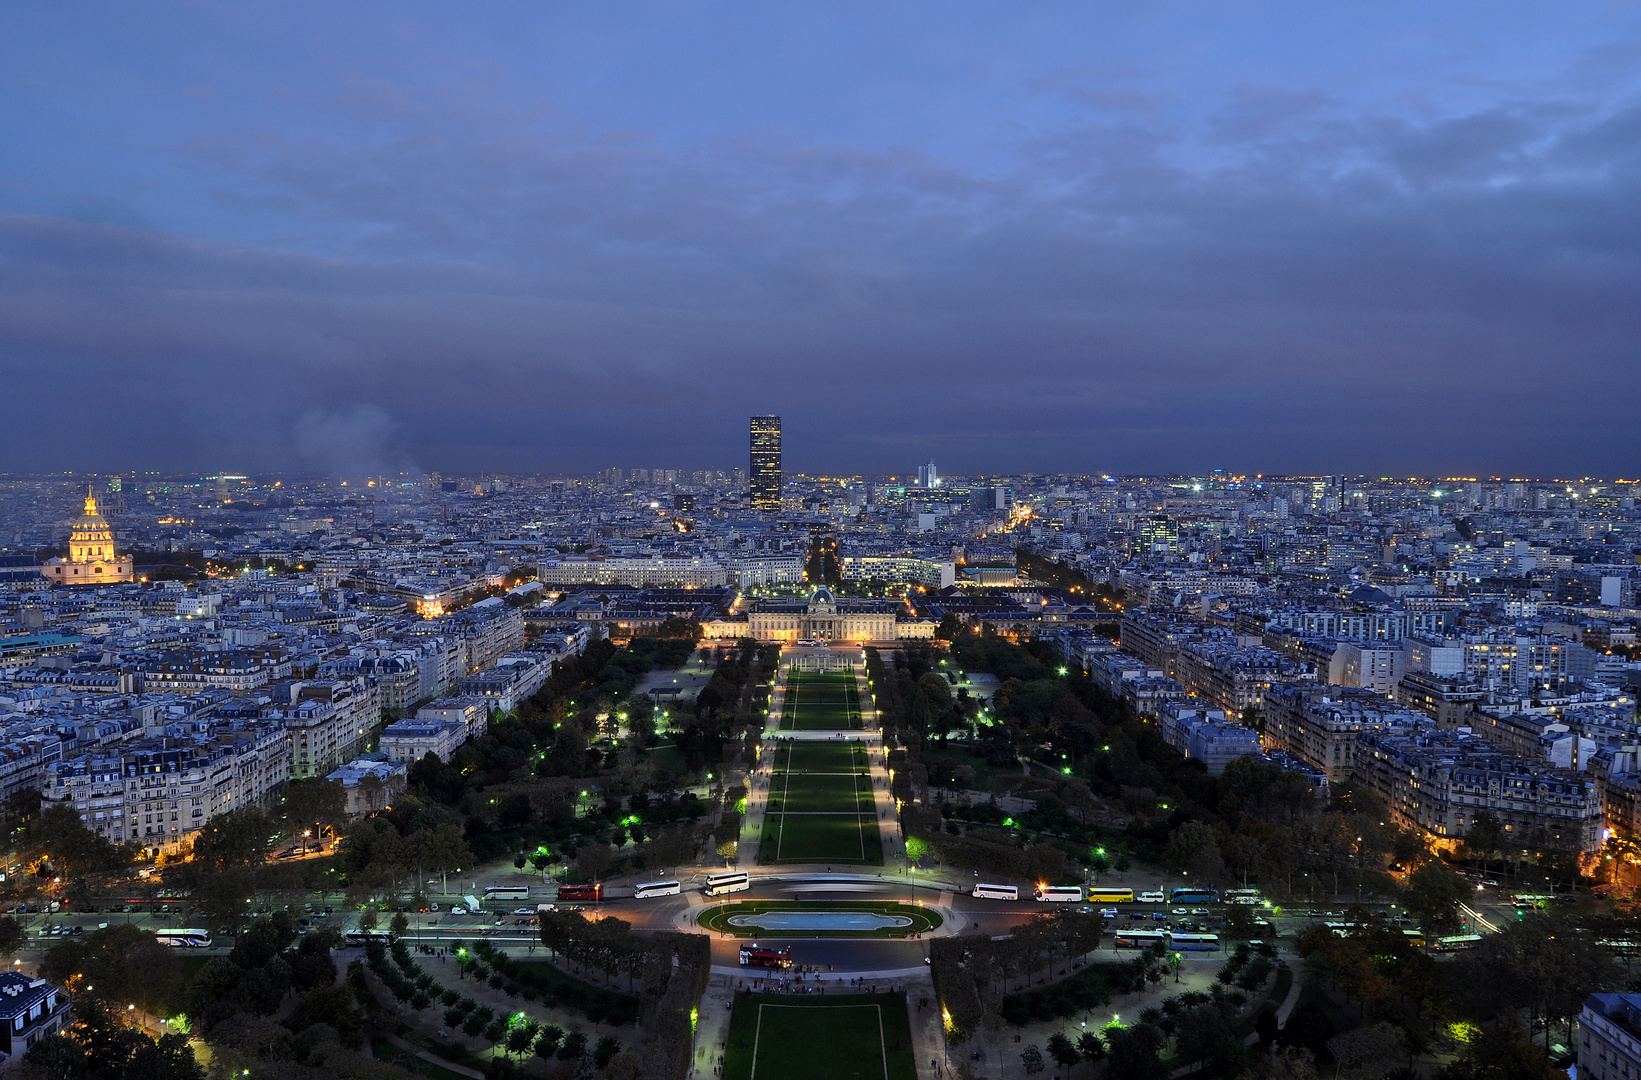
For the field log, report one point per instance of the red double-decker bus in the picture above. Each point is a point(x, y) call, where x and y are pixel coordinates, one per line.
point(581, 892)
point(756, 955)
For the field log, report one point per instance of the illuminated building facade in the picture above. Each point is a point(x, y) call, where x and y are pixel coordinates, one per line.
point(766, 463)
point(91, 557)
point(821, 618)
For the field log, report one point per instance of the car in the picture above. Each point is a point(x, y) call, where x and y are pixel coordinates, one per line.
point(433, 907)
point(524, 911)
point(1182, 911)
point(1199, 911)
point(1109, 913)
point(457, 909)
point(1159, 916)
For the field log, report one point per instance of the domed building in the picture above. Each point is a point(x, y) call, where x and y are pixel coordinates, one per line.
point(91, 556)
point(822, 618)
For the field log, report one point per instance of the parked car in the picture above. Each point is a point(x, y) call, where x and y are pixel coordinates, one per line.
point(524, 911)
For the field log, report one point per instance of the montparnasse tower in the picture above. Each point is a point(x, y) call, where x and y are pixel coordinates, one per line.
point(91, 556)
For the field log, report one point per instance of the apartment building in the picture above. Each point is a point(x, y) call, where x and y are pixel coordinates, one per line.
point(1438, 781)
point(1321, 724)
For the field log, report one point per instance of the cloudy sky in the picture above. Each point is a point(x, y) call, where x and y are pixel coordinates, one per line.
point(1386, 237)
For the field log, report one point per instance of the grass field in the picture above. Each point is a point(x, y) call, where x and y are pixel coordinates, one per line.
point(820, 807)
point(820, 702)
point(826, 793)
point(788, 1037)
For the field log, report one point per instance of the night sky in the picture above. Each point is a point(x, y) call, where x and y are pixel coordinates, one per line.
point(1057, 237)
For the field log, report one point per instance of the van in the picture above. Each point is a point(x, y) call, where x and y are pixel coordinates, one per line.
point(1150, 898)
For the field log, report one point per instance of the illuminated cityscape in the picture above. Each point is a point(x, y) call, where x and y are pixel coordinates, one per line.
point(725, 543)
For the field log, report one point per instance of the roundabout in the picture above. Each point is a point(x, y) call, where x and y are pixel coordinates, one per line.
point(820, 919)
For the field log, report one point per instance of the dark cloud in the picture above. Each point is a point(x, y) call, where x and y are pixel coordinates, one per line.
point(1285, 277)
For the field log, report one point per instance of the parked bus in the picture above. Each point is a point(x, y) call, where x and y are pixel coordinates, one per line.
point(1060, 894)
point(1109, 896)
point(594, 893)
point(1457, 942)
point(1246, 897)
point(718, 884)
point(755, 955)
point(997, 892)
point(507, 892)
point(1195, 942)
point(360, 937)
point(1151, 897)
point(184, 939)
point(1194, 896)
point(656, 888)
point(1140, 939)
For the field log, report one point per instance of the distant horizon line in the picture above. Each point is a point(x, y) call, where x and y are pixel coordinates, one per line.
point(951, 479)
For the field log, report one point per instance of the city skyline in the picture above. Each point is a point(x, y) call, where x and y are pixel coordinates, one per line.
point(1295, 240)
point(714, 541)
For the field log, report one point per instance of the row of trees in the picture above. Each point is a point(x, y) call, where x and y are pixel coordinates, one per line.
point(1544, 966)
point(668, 970)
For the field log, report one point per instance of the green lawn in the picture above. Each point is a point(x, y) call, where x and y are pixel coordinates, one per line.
point(821, 793)
point(820, 703)
point(820, 757)
point(828, 838)
point(821, 807)
point(822, 1037)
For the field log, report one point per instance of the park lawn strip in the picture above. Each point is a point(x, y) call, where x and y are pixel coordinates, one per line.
point(788, 1037)
point(821, 703)
point(823, 793)
point(828, 838)
point(820, 757)
point(924, 919)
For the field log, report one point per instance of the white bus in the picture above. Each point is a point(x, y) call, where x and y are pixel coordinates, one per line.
point(1061, 894)
point(657, 888)
point(184, 939)
point(997, 892)
point(718, 884)
point(507, 892)
point(361, 937)
point(1138, 939)
point(1195, 942)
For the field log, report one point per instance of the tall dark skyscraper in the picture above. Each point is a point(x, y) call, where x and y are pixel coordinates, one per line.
point(766, 463)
